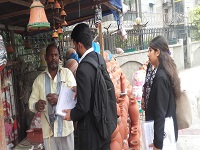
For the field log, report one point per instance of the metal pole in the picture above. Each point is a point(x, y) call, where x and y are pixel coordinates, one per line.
point(140, 9)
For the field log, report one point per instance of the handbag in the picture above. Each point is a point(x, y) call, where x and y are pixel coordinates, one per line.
point(183, 111)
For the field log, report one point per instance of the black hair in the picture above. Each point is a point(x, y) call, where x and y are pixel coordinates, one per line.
point(167, 62)
point(50, 46)
point(82, 33)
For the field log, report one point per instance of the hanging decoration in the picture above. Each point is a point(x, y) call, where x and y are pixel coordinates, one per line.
point(3, 54)
point(60, 30)
point(27, 44)
point(9, 47)
point(98, 15)
point(55, 34)
point(64, 24)
point(38, 19)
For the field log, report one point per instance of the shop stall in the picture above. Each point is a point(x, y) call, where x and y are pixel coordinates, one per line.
point(24, 39)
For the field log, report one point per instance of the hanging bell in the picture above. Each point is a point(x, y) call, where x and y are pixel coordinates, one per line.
point(63, 13)
point(38, 19)
point(64, 24)
point(57, 5)
point(55, 34)
point(59, 30)
point(51, 1)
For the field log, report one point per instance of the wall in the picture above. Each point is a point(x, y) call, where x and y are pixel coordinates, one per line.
point(130, 62)
point(193, 53)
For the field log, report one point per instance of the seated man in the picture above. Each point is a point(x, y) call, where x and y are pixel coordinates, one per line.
point(72, 65)
point(71, 54)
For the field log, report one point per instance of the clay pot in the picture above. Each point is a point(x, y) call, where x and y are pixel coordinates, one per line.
point(126, 99)
point(105, 56)
point(114, 145)
point(134, 145)
point(133, 110)
point(115, 132)
point(108, 66)
point(136, 127)
point(129, 90)
point(124, 122)
point(35, 135)
point(118, 139)
point(117, 93)
point(134, 139)
point(121, 129)
point(125, 145)
point(122, 83)
point(118, 110)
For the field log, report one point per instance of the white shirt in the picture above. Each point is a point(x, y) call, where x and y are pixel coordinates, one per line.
point(86, 52)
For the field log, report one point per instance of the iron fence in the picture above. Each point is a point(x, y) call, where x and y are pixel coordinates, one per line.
point(138, 39)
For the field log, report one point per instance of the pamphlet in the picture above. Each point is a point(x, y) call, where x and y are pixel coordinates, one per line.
point(65, 100)
point(169, 141)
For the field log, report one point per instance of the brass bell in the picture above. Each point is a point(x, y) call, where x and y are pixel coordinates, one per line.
point(63, 13)
point(59, 30)
point(55, 34)
point(38, 19)
point(57, 5)
point(64, 23)
point(50, 1)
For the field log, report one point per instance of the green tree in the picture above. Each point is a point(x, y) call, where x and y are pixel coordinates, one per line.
point(194, 17)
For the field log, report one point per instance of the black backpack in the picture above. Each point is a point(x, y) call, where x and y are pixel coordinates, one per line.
point(104, 110)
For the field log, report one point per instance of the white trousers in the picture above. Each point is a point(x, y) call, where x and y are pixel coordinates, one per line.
point(59, 143)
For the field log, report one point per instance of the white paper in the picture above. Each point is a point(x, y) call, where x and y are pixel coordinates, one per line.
point(169, 141)
point(148, 134)
point(65, 100)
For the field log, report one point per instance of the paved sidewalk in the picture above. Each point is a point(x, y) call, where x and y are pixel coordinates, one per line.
point(189, 139)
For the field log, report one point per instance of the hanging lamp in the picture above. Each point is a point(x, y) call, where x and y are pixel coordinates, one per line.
point(38, 19)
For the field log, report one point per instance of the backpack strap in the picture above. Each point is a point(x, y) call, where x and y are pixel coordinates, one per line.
point(91, 61)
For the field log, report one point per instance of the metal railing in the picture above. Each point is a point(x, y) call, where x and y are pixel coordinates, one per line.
point(138, 39)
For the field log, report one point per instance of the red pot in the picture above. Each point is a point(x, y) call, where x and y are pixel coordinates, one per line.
point(34, 135)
